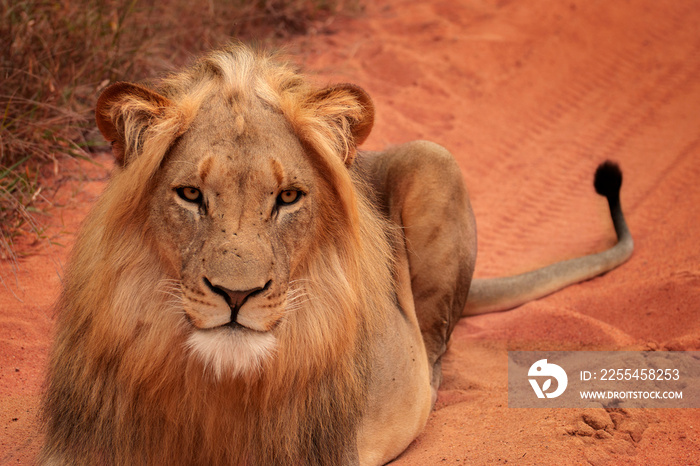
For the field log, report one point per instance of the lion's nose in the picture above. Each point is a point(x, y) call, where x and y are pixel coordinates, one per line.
point(234, 298)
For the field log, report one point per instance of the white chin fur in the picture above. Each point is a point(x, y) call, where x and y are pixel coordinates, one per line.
point(231, 352)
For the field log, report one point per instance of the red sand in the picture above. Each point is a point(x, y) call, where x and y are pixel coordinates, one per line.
point(530, 97)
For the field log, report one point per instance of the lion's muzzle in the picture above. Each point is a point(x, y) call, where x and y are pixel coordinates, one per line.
point(235, 298)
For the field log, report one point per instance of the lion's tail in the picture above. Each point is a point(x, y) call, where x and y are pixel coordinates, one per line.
point(500, 294)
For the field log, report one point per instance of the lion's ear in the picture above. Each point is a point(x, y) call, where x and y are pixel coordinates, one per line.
point(348, 109)
point(123, 112)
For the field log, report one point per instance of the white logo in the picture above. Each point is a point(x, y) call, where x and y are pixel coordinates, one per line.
point(543, 369)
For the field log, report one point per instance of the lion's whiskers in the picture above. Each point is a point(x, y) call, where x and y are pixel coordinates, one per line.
point(172, 289)
point(297, 296)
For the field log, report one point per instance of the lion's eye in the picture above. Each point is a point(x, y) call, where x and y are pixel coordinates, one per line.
point(190, 194)
point(289, 196)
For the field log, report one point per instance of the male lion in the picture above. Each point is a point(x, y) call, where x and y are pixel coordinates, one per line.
point(250, 289)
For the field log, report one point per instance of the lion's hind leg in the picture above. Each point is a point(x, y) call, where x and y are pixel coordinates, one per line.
point(421, 189)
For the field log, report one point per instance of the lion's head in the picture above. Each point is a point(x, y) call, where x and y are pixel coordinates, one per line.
point(252, 177)
point(232, 257)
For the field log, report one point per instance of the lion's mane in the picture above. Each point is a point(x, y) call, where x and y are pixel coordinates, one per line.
point(122, 386)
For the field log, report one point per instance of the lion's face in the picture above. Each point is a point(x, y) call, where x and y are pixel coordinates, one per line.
point(234, 177)
point(232, 211)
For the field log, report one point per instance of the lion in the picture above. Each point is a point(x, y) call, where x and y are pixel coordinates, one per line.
point(252, 289)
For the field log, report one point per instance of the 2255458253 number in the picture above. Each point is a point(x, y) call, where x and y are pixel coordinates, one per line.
point(639, 374)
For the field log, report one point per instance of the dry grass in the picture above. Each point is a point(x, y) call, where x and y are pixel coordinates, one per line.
point(55, 57)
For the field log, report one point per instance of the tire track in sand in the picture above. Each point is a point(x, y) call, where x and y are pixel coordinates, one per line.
point(607, 135)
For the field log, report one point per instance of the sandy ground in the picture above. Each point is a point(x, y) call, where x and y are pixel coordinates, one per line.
point(530, 97)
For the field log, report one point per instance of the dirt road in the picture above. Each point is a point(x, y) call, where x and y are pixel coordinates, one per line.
point(530, 97)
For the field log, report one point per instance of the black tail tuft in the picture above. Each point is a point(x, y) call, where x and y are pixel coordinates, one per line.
point(608, 179)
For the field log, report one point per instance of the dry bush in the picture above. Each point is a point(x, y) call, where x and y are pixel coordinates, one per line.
point(55, 57)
